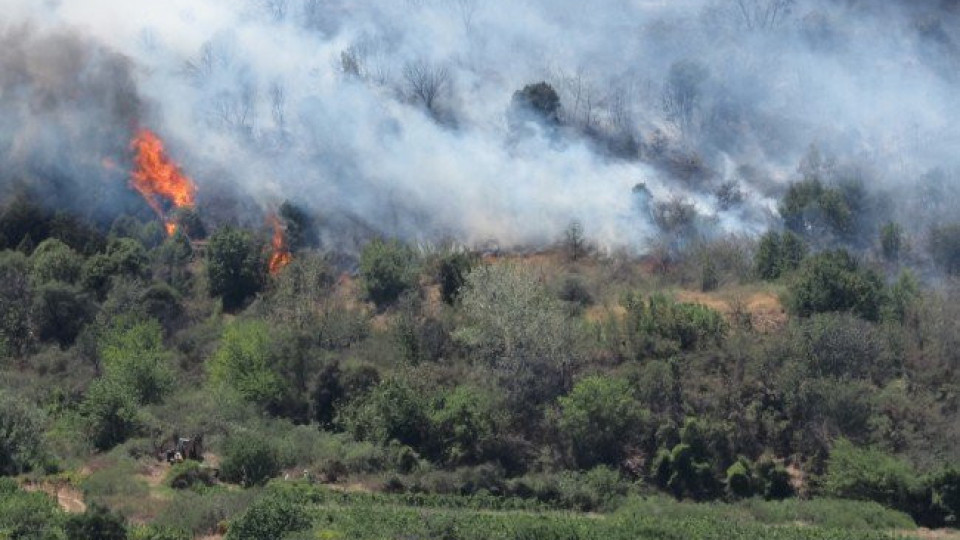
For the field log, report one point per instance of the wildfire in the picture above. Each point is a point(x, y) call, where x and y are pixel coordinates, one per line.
point(281, 256)
point(159, 179)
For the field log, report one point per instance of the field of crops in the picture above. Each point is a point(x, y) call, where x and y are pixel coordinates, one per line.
point(378, 516)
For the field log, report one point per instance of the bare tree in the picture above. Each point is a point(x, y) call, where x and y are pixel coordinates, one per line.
point(278, 103)
point(426, 82)
point(276, 8)
point(762, 14)
point(681, 93)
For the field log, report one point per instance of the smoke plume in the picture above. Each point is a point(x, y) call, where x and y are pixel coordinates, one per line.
point(397, 117)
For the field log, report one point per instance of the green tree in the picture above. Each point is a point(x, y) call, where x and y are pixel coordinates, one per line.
point(393, 410)
point(536, 101)
point(132, 353)
point(235, 267)
point(388, 269)
point(891, 241)
point(28, 516)
point(271, 516)
point(249, 460)
point(834, 281)
point(21, 445)
point(54, 261)
point(96, 523)
point(866, 474)
point(245, 362)
point(110, 409)
point(59, 311)
point(16, 298)
point(465, 423)
point(452, 271)
point(739, 479)
point(599, 418)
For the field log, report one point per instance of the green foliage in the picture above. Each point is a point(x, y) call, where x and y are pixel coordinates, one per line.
point(465, 423)
point(110, 410)
point(132, 354)
point(155, 532)
point(271, 516)
point(235, 267)
point(59, 312)
point(452, 271)
point(809, 207)
point(244, 362)
point(835, 281)
point(739, 479)
point(778, 254)
point(865, 474)
point(21, 444)
point(27, 516)
point(392, 410)
point(53, 260)
point(15, 301)
point(189, 474)
point(96, 522)
point(773, 480)
point(662, 327)
point(891, 241)
point(249, 460)
point(599, 418)
point(388, 268)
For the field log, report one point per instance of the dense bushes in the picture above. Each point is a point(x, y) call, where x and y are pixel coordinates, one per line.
point(249, 460)
point(388, 268)
point(269, 517)
point(598, 418)
point(835, 281)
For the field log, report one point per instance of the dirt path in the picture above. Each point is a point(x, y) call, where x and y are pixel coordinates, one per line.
point(68, 497)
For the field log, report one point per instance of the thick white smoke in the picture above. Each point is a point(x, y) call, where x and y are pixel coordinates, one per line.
point(312, 101)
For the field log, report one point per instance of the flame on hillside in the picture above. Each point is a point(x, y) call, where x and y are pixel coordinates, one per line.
point(159, 179)
point(281, 255)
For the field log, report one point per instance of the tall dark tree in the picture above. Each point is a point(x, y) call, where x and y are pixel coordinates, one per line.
point(235, 267)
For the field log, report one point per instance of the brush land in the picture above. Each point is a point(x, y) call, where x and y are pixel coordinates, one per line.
point(156, 387)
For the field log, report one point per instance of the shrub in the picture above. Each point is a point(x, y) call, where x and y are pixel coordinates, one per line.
point(244, 362)
point(97, 522)
point(249, 460)
point(132, 354)
point(452, 272)
point(235, 267)
point(661, 326)
point(189, 474)
point(599, 418)
point(155, 532)
point(391, 411)
point(59, 311)
point(388, 269)
point(21, 445)
point(865, 474)
point(27, 516)
point(272, 516)
point(55, 261)
point(834, 281)
point(465, 423)
point(110, 409)
point(739, 479)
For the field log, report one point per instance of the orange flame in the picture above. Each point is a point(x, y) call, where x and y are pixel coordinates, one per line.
point(281, 256)
point(158, 178)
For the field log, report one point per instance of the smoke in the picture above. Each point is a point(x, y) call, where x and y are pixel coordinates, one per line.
point(394, 117)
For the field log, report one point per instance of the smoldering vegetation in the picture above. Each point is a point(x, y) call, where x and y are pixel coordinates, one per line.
point(420, 119)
